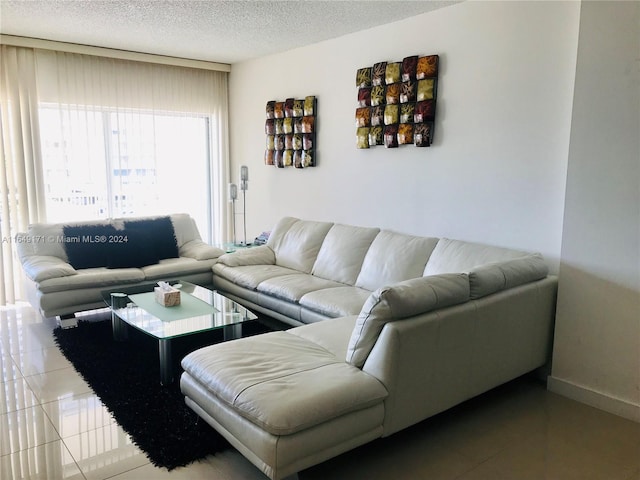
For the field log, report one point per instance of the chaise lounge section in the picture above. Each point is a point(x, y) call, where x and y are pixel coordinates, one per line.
point(392, 329)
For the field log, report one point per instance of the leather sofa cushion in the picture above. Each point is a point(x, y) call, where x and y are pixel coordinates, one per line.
point(394, 257)
point(174, 268)
point(185, 228)
point(493, 277)
point(199, 250)
point(281, 382)
point(279, 230)
point(452, 256)
point(342, 253)
point(402, 300)
point(46, 240)
point(332, 334)
point(294, 287)
point(92, 278)
point(262, 255)
point(336, 302)
point(298, 247)
point(250, 276)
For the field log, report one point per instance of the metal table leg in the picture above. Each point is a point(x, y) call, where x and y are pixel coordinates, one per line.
point(232, 332)
point(119, 327)
point(166, 370)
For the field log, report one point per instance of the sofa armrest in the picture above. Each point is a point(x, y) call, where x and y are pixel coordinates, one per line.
point(433, 361)
point(402, 300)
point(24, 246)
point(43, 267)
point(199, 250)
point(262, 255)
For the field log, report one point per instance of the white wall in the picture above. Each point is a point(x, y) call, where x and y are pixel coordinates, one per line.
point(510, 142)
point(497, 171)
point(597, 345)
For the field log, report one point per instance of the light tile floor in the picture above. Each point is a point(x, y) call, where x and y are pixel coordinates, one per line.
point(52, 426)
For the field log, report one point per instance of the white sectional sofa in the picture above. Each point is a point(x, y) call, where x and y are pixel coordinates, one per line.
point(392, 329)
point(111, 254)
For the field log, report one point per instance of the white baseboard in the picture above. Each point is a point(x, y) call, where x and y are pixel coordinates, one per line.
point(595, 399)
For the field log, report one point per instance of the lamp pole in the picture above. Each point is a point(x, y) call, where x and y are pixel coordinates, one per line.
point(244, 186)
point(233, 195)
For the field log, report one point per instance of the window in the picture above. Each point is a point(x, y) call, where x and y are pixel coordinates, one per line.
point(101, 163)
point(88, 137)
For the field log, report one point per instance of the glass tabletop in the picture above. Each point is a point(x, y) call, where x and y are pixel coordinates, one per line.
point(200, 309)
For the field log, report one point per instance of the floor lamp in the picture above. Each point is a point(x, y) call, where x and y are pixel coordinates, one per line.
point(233, 195)
point(244, 185)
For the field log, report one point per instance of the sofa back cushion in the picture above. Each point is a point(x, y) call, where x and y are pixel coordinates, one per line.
point(490, 269)
point(402, 300)
point(280, 230)
point(296, 243)
point(394, 257)
point(49, 239)
point(46, 239)
point(493, 277)
point(342, 253)
point(185, 228)
point(454, 256)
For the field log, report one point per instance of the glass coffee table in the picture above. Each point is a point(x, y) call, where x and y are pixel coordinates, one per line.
point(200, 310)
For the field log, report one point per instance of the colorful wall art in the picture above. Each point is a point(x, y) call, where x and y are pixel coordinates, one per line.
point(291, 133)
point(397, 102)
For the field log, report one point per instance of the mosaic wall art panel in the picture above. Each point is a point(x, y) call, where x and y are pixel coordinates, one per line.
point(291, 133)
point(397, 102)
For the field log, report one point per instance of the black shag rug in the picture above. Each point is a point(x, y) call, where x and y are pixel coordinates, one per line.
point(126, 377)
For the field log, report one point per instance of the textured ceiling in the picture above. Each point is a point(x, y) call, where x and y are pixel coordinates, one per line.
point(212, 30)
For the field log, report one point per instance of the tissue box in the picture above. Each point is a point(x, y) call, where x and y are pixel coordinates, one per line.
point(167, 298)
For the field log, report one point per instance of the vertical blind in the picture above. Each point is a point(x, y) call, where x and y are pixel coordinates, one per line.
point(88, 137)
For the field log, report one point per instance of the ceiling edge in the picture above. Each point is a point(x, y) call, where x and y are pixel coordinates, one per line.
point(29, 42)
